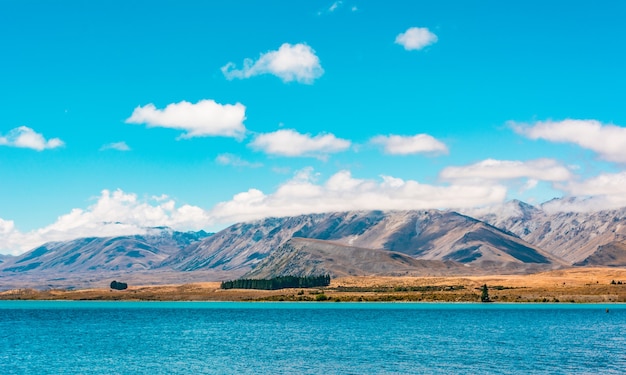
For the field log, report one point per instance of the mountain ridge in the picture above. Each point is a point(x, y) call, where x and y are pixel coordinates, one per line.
point(572, 236)
point(136, 252)
point(421, 234)
point(514, 237)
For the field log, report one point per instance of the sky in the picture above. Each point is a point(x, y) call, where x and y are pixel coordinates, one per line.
point(118, 116)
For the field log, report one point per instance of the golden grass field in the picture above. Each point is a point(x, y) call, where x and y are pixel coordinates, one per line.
point(579, 285)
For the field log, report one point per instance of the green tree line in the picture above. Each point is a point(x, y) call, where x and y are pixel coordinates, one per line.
point(280, 282)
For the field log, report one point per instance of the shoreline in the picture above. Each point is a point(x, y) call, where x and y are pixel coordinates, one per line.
point(584, 285)
point(605, 305)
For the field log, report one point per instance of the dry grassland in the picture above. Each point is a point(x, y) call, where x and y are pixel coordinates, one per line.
point(571, 285)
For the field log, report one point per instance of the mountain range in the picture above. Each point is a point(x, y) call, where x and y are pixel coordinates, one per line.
point(85, 261)
point(572, 236)
point(426, 235)
point(514, 237)
point(139, 252)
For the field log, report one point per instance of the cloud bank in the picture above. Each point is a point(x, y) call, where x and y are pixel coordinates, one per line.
point(290, 63)
point(204, 118)
point(481, 184)
point(343, 192)
point(118, 213)
point(603, 192)
point(25, 137)
point(416, 38)
point(114, 214)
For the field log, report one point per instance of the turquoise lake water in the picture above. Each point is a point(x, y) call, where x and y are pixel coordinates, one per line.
point(39, 337)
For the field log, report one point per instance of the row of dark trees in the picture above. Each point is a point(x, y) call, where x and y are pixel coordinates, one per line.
point(280, 282)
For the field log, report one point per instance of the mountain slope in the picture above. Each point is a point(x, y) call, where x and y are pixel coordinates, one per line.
point(572, 236)
point(240, 246)
point(307, 257)
point(438, 235)
point(428, 235)
point(102, 254)
point(612, 254)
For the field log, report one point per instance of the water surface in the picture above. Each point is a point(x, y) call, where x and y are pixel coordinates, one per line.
point(44, 337)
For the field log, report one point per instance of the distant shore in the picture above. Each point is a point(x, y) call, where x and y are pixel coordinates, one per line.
point(580, 285)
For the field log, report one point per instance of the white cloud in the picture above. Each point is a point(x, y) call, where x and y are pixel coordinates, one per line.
point(235, 161)
point(25, 137)
point(114, 214)
point(498, 170)
point(205, 118)
point(416, 38)
point(404, 145)
point(608, 141)
point(604, 184)
point(335, 5)
point(529, 185)
point(118, 213)
point(11, 240)
point(119, 146)
point(603, 192)
point(290, 63)
point(287, 142)
point(302, 195)
point(584, 204)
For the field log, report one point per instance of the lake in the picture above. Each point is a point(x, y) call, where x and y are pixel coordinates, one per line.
point(55, 337)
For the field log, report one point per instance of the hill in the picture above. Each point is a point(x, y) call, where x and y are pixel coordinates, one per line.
point(612, 254)
point(424, 235)
point(307, 257)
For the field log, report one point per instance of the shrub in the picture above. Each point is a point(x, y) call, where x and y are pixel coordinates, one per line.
point(321, 297)
point(118, 285)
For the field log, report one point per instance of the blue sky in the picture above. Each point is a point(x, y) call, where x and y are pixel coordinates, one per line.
point(118, 116)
